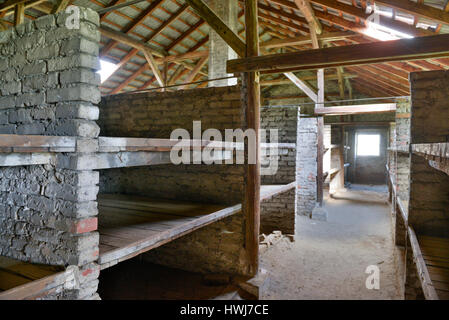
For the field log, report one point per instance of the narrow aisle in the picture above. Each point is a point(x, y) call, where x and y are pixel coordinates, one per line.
point(329, 259)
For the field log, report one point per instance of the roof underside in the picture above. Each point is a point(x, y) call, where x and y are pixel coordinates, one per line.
point(173, 26)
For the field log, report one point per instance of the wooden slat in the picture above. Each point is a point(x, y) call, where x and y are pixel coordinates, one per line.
point(424, 277)
point(360, 54)
point(357, 109)
point(130, 225)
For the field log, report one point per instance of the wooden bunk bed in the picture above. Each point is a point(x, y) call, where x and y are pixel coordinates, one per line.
point(430, 253)
point(21, 280)
point(131, 225)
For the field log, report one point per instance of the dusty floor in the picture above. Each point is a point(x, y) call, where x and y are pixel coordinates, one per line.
point(329, 259)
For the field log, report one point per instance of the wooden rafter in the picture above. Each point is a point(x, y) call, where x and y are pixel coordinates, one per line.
point(130, 27)
point(60, 5)
point(195, 71)
point(218, 26)
point(367, 53)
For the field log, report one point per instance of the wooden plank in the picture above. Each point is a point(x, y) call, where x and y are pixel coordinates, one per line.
point(357, 109)
point(424, 277)
point(15, 140)
point(269, 191)
point(25, 159)
point(144, 245)
point(218, 26)
point(129, 159)
point(359, 54)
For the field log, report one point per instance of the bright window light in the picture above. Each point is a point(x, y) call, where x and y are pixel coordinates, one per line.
point(380, 32)
point(107, 69)
point(368, 145)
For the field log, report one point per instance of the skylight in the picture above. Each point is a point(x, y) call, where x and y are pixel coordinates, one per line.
point(107, 69)
point(380, 32)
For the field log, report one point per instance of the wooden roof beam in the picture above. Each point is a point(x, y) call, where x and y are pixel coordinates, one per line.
point(130, 27)
point(366, 53)
point(279, 43)
point(309, 14)
point(218, 26)
point(10, 4)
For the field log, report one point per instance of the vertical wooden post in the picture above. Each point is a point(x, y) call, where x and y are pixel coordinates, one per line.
point(252, 185)
point(320, 138)
point(19, 14)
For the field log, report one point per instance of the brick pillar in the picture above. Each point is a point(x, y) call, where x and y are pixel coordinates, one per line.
point(49, 87)
point(220, 52)
point(306, 172)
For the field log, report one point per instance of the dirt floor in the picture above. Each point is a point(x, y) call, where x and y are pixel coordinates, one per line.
point(329, 259)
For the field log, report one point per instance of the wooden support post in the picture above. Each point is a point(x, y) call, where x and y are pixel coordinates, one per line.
point(19, 14)
point(252, 185)
point(154, 67)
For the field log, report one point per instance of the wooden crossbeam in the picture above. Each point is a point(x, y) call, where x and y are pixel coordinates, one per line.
point(360, 54)
point(307, 11)
point(218, 26)
point(417, 9)
point(123, 38)
point(153, 65)
point(59, 6)
point(130, 27)
point(195, 71)
point(307, 78)
point(357, 109)
point(358, 14)
point(296, 41)
point(302, 85)
point(9, 4)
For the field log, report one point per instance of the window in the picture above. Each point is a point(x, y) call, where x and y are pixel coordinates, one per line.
point(107, 69)
point(368, 145)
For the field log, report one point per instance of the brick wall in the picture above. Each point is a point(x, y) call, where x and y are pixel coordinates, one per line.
point(218, 247)
point(48, 86)
point(428, 211)
point(279, 212)
point(307, 165)
point(429, 194)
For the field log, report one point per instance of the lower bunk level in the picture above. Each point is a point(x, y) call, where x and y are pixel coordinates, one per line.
point(131, 225)
point(431, 258)
point(21, 280)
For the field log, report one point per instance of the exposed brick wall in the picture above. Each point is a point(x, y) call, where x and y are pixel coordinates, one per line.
point(218, 247)
point(307, 165)
point(279, 212)
point(285, 120)
point(428, 212)
point(429, 194)
point(48, 86)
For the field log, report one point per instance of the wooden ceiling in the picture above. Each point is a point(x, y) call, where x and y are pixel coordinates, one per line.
point(173, 28)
